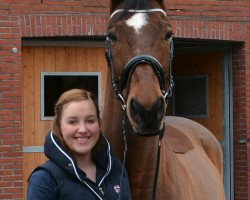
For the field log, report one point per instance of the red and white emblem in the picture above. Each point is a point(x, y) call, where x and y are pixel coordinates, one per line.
point(117, 188)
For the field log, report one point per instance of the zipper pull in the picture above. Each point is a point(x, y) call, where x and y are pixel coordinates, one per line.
point(100, 188)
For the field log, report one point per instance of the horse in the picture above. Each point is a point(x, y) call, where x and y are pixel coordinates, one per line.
point(179, 156)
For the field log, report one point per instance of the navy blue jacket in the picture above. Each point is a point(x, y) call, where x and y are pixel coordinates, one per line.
point(61, 179)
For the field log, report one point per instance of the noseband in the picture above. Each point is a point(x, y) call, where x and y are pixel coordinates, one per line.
point(125, 79)
point(142, 59)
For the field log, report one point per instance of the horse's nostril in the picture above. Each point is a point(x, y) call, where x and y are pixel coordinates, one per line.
point(135, 106)
point(136, 110)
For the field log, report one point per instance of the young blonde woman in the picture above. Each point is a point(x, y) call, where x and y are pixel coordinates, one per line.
point(81, 164)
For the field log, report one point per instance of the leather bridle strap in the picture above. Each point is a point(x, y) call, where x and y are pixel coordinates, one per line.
point(157, 166)
point(108, 56)
point(138, 11)
point(139, 59)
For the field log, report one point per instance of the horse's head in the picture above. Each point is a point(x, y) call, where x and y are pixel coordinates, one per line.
point(138, 50)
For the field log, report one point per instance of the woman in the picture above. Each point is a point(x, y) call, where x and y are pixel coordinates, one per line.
point(81, 164)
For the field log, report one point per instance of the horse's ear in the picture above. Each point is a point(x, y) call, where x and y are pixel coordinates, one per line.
point(115, 1)
point(115, 4)
point(133, 4)
point(161, 2)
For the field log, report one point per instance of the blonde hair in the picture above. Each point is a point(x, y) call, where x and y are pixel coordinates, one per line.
point(67, 97)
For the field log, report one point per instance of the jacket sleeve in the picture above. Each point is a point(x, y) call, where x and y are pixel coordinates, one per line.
point(41, 186)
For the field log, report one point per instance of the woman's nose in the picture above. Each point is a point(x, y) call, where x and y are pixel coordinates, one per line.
point(82, 128)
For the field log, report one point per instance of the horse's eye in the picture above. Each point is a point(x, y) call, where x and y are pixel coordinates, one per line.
point(168, 35)
point(112, 37)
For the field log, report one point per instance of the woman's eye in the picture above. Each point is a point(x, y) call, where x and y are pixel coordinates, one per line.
point(73, 122)
point(91, 121)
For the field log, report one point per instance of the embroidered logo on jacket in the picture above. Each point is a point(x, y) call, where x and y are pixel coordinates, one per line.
point(117, 188)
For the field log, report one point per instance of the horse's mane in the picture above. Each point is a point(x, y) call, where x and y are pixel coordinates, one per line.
point(134, 4)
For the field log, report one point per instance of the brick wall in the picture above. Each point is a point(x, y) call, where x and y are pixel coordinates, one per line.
point(204, 19)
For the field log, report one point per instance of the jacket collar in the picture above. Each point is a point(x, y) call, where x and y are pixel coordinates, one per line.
point(55, 151)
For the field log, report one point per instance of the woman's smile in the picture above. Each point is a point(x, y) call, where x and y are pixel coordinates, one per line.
point(82, 139)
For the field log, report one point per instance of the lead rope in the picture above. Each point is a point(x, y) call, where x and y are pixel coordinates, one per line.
point(157, 163)
point(124, 133)
point(157, 166)
point(123, 105)
point(167, 95)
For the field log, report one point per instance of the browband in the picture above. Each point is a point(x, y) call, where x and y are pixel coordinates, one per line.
point(138, 11)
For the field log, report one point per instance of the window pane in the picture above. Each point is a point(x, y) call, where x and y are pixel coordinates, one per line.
point(191, 96)
point(54, 84)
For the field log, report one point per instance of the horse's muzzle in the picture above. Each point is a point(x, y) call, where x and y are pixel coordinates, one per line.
point(147, 122)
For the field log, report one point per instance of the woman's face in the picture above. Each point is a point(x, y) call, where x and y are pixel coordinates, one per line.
point(80, 127)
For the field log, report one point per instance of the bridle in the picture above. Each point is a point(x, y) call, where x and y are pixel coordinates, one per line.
point(125, 78)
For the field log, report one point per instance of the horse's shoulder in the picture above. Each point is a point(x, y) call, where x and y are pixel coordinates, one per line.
point(183, 134)
point(177, 141)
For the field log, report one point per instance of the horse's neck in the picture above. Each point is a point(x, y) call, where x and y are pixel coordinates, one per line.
point(141, 166)
point(141, 162)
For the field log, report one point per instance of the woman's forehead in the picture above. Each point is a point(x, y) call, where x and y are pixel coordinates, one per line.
point(75, 106)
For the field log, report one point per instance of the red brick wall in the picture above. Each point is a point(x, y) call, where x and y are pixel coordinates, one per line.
point(241, 156)
point(204, 19)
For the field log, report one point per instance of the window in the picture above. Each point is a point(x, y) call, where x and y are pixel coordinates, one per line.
point(53, 84)
point(191, 96)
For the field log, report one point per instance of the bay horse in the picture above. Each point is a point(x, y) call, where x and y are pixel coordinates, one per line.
point(139, 51)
